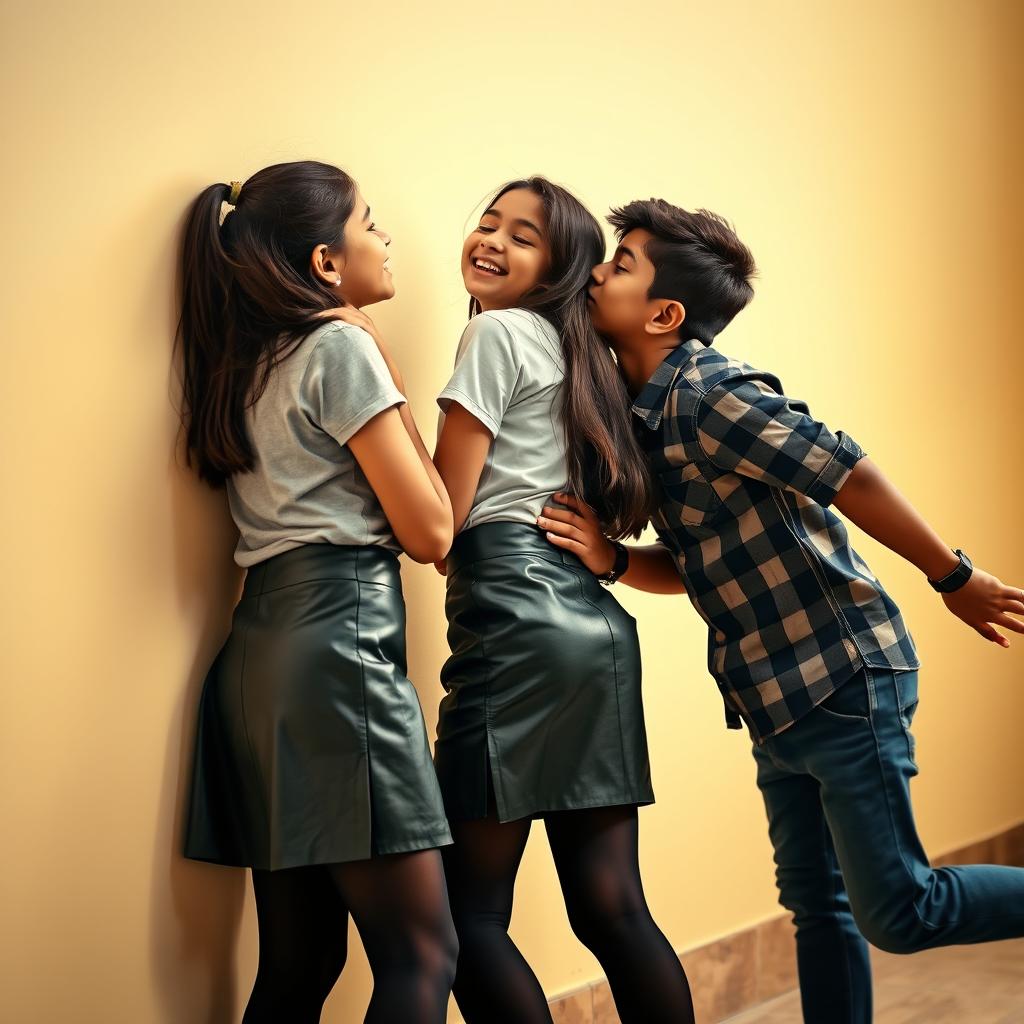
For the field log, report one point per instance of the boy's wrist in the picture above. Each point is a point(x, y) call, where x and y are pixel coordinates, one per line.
point(941, 564)
point(617, 562)
point(956, 577)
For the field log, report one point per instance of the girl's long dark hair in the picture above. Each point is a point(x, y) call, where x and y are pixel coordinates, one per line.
point(249, 297)
point(606, 467)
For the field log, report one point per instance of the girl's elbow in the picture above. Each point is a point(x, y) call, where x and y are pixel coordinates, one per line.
point(431, 545)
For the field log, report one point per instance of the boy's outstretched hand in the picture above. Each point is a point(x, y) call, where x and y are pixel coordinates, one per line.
point(869, 498)
point(577, 529)
point(983, 602)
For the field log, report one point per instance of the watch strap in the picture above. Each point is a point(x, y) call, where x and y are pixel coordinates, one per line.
point(955, 579)
point(619, 566)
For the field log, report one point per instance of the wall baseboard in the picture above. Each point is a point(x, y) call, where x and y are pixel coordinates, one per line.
point(720, 972)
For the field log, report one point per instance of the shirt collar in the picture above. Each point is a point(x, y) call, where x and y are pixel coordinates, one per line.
point(650, 403)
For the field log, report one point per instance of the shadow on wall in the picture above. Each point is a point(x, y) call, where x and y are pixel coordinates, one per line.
point(195, 908)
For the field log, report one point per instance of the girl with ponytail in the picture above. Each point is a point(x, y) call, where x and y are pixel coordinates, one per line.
point(543, 716)
point(312, 766)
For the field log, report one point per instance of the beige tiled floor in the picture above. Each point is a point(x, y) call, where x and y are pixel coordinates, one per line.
point(960, 985)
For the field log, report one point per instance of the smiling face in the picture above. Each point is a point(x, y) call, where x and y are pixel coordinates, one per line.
point(618, 294)
point(508, 253)
point(362, 261)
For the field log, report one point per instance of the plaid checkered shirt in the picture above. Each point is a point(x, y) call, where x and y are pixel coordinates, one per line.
point(747, 476)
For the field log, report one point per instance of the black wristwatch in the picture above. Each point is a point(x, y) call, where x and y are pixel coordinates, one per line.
point(619, 566)
point(957, 578)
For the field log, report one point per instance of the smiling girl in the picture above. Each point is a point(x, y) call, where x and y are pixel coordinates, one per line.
point(543, 715)
point(312, 765)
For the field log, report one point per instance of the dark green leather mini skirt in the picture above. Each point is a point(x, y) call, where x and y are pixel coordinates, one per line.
point(543, 682)
point(311, 746)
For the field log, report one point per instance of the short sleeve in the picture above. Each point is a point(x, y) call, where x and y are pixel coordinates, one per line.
point(745, 426)
point(347, 382)
point(487, 371)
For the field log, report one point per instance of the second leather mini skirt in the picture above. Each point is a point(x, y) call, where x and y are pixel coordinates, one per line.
point(543, 682)
point(311, 746)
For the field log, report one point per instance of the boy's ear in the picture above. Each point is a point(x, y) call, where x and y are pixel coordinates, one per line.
point(666, 317)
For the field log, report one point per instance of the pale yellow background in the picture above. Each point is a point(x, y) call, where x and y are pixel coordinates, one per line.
point(869, 153)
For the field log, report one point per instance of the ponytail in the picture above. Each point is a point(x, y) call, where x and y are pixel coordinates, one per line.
point(249, 297)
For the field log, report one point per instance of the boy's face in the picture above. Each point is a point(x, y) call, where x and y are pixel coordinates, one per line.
point(618, 300)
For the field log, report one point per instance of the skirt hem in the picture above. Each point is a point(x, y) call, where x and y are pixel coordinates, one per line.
point(556, 807)
point(431, 841)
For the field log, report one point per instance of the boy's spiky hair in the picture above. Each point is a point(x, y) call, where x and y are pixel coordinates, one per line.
point(698, 261)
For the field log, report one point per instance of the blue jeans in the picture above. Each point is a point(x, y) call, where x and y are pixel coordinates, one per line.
point(849, 864)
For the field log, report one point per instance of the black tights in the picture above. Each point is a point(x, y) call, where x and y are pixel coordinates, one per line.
point(595, 854)
point(400, 906)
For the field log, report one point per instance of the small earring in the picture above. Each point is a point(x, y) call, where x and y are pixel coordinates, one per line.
point(337, 284)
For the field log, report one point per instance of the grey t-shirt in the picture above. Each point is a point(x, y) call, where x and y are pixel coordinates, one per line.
point(508, 374)
point(306, 486)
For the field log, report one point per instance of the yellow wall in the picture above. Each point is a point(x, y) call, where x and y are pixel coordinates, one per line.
point(867, 152)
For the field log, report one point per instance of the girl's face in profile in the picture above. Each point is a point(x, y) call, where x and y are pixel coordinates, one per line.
point(508, 253)
point(364, 264)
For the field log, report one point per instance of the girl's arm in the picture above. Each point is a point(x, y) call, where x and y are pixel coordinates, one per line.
point(460, 457)
point(870, 500)
point(651, 566)
point(488, 372)
point(351, 315)
point(390, 453)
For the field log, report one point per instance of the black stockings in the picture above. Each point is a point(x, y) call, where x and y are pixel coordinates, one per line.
point(595, 854)
point(400, 907)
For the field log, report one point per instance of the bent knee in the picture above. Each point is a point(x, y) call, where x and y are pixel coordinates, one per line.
point(902, 934)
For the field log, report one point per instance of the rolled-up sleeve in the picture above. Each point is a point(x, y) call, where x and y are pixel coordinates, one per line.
point(745, 426)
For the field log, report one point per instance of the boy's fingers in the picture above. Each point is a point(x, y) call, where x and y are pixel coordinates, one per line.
point(560, 514)
point(1010, 623)
point(994, 635)
point(565, 542)
point(568, 499)
point(562, 529)
point(581, 506)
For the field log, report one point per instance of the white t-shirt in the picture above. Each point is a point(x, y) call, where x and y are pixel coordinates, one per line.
point(508, 374)
point(306, 486)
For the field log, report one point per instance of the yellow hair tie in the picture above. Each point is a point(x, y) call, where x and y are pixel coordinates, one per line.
point(236, 187)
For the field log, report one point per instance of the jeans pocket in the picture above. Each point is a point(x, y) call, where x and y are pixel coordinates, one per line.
point(851, 703)
point(906, 690)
